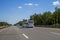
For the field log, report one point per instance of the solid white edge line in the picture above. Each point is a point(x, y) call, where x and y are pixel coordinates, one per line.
point(25, 36)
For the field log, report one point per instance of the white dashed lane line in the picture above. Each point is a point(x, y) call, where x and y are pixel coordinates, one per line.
point(25, 36)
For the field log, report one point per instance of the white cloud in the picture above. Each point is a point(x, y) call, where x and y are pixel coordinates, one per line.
point(36, 4)
point(19, 7)
point(56, 3)
point(31, 4)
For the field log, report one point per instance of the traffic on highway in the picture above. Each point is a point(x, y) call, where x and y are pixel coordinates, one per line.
point(36, 33)
point(29, 19)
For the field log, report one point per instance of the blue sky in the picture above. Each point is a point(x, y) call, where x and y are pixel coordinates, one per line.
point(12, 11)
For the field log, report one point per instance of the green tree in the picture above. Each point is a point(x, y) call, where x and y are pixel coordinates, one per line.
point(37, 19)
point(56, 16)
point(3, 23)
point(47, 18)
point(21, 22)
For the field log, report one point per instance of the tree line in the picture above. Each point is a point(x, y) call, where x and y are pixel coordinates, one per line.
point(21, 22)
point(4, 24)
point(45, 18)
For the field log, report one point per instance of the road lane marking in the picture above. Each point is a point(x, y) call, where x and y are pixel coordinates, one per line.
point(25, 36)
point(55, 33)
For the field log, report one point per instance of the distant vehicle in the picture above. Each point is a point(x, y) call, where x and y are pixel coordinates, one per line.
point(28, 24)
point(25, 25)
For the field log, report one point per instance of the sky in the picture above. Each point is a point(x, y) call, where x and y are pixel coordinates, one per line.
point(12, 11)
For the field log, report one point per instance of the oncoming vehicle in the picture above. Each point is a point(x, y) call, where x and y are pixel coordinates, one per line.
point(28, 24)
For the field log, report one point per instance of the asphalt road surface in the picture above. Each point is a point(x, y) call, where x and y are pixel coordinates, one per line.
point(36, 33)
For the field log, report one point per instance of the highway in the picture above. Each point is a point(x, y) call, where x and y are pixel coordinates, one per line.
point(36, 33)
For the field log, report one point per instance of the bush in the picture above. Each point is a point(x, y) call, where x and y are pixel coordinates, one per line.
point(56, 25)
